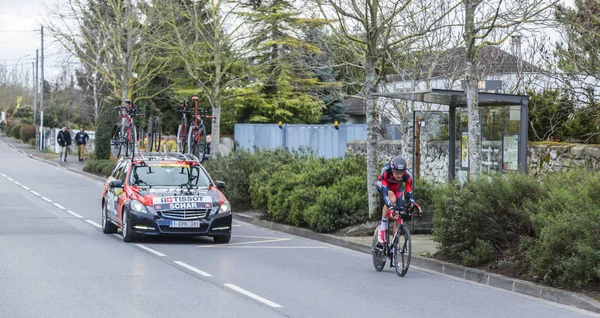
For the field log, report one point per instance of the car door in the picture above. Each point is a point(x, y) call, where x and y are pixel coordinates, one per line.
point(119, 193)
point(111, 193)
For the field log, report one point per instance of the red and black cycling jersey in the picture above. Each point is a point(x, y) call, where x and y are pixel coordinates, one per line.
point(386, 182)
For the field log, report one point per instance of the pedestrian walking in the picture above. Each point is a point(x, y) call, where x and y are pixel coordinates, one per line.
point(64, 141)
point(81, 139)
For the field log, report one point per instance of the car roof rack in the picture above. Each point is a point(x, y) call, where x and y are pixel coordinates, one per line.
point(158, 156)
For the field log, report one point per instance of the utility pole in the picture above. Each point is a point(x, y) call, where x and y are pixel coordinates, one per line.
point(42, 95)
point(35, 88)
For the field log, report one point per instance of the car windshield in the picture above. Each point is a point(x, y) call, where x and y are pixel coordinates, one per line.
point(169, 175)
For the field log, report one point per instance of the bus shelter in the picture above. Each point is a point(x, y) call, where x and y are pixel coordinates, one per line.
point(504, 127)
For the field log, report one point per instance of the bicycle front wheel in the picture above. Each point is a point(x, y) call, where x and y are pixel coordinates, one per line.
point(378, 253)
point(116, 141)
point(130, 141)
point(402, 250)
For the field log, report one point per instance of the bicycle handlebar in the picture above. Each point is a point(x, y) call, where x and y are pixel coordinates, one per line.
point(408, 211)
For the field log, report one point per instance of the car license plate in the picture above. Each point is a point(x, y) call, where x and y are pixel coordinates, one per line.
point(185, 224)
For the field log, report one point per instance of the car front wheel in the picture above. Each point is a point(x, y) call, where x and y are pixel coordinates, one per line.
point(128, 235)
point(222, 239)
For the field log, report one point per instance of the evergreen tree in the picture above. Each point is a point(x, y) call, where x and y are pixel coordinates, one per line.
point(288, 84)
point(581, 24)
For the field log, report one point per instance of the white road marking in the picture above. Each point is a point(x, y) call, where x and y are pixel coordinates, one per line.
point(282, 247)
point(192, 268)
point(236, 225)
point(34, 193)
point(59, 206)
point(252, 242)
point(144, 247)
point(24, 187)
point(94, 223)
point(249, 294)
point(46, 199)
point(2, 174)
point(261, 237)
point(17, 183)
point(10, 179)
point(117, 235)
point(74, 214)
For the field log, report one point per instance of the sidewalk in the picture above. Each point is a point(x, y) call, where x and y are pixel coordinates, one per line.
point(422, 244)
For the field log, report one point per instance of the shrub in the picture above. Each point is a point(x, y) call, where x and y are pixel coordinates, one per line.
point(480, 253)
point(343, 204)
point(16, 131)
point(487, 209)
point(26, 133)
point(566, 248)
point(99, 167)
point(235, 170)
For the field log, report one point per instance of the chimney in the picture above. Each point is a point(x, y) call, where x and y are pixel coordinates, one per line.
point(515, 42)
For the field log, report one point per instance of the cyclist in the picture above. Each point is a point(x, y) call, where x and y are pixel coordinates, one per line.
point(389, 182)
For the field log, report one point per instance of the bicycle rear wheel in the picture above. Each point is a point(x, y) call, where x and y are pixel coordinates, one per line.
point(198, 147)
point(379, 257)
point(181, 139)
point(402, 250)
point(116, 141)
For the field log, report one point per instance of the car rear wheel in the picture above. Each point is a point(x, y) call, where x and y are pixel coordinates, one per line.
point(128, 235)
point(222, 239)
point(107, 226)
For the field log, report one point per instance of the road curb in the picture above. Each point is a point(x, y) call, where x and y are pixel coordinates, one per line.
point(87, 174)
point(83, 173)
point(466, 273)
point(43, 160)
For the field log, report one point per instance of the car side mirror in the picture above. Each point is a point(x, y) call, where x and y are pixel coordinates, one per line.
point(116, 184)
point(220, 185)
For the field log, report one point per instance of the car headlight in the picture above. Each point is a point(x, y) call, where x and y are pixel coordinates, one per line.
point(137, 206)
point(224, 208)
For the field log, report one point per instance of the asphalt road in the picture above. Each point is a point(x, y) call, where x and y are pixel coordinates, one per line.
point(56, 262)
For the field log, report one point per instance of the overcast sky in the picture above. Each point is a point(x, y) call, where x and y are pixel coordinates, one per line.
point(20, 22)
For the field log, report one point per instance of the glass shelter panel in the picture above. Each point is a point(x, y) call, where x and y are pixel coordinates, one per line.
point(500, 139)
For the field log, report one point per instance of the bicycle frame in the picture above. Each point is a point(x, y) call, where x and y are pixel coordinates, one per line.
point(198, 121)
point(125, 135)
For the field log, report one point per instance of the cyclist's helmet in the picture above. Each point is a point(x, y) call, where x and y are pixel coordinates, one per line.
point(398, 164)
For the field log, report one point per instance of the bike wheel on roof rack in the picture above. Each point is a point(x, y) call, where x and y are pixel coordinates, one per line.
point(116, 141)
point(198, 147)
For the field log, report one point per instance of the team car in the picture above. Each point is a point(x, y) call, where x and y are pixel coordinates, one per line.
point(164, 194)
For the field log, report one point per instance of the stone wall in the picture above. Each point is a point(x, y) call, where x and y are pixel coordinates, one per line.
point(547, 157)
point(542, 157)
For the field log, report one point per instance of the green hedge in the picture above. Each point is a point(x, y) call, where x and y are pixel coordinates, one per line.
point(566, 248)
point(99, 167)
point(27, 133)
point(488, 209)
point(15, 131)
point(547, 228)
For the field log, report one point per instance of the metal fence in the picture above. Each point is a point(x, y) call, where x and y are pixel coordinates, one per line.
point(324, 140)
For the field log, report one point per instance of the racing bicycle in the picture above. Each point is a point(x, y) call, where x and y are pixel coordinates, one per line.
point(398, 249)
point(182, 132)
point(124, 131)
point(197, 135)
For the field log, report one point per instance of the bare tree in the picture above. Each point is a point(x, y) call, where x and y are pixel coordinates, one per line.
point(373, 28)
point(491, 23)
point(112, 37)
point(209, 40)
